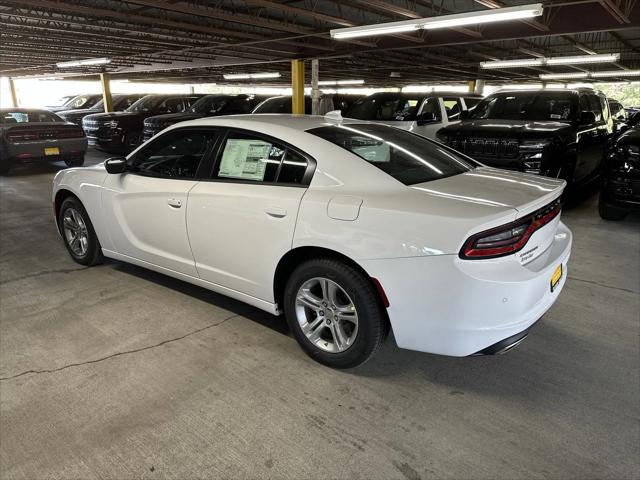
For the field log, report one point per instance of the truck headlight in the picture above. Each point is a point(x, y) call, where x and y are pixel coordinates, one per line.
point(111, 124)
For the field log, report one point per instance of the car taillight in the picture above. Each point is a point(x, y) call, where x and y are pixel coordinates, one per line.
point(511, 237)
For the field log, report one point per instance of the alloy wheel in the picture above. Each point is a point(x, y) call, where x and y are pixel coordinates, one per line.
point(326, 314)
point(75, 232)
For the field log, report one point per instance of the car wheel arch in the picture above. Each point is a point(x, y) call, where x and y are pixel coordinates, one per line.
point(61, 196)
point(298, 255)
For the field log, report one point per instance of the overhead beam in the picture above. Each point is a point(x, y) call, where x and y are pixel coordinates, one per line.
point(614, 10)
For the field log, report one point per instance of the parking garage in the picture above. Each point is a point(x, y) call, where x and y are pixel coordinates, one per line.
point(130, 363)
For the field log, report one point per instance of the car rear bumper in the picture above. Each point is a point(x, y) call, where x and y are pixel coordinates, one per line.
point(67, 147)
point(445, 305)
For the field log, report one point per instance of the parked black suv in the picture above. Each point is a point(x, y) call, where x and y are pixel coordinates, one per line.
point(558, 133)
point(207, 106)
point(120, 102)
point(78, 102)
point(621, 171)
point(121, 132)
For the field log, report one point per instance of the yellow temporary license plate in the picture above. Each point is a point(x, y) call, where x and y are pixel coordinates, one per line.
point(555, 278)
point(52, 151)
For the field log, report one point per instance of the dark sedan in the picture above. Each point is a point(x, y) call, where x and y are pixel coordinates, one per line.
point(621, 170)
point(78, 102)
point(31, 134)
point(120, 102)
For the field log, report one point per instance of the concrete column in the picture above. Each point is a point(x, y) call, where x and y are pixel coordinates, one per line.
point(315, 91)
point(479, 88)
point(297, 86)
point(106, 92)
point(14, 94)
point(471, 85)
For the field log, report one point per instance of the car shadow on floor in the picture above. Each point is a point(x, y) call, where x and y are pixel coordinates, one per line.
point(23, 169)
point(519, 373)
point(275, 323)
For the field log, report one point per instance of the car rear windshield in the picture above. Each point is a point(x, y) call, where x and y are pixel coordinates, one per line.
point(407, 157)
point(527, 106)
point(387, 108)
point(29, 117)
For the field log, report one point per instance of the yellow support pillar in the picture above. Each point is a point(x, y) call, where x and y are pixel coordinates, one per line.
point(106, 92)
point(471, 85)
point(297, 86)
point(14, 94)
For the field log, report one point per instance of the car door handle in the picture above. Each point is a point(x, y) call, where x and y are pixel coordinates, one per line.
point(275, 212)
point(174, 202)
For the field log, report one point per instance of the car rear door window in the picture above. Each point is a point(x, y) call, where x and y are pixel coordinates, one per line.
point(249, 157)
point(452, 107)
point(175, 154)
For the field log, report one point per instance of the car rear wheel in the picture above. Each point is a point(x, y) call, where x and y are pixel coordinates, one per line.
point(608, 211)
point(78, 234)
point(74, 161)
point(335, 313)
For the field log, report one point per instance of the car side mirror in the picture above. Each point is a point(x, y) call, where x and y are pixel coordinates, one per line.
point(464, 114)
point(115, 164)
point(427, 117)
point(587, 118)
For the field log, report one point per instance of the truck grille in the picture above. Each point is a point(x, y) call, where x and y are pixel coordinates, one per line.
point(486, 147)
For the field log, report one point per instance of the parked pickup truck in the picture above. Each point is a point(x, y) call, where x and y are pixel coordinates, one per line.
point(553, 132)
point(421, 113)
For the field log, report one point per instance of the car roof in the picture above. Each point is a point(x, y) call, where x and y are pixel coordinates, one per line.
point(425, 94)
point(26, 110)
point(300, 123)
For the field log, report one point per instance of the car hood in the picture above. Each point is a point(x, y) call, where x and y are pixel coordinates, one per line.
point(506, 128)
point(104, 117)
point(79, 111)
point(172, 118)
point(493, 187)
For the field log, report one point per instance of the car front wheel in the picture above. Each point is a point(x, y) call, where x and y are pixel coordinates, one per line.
point(335, 313)
point(78, 234)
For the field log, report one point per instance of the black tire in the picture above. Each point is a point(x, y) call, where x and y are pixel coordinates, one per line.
point(77, 161)
point(372, 321)
point(131, 141)
point(5, 164)
point(608, 211)
point(93, 253)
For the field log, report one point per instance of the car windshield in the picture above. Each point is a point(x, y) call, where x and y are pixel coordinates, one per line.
point(145, 104)
point(29, 117)
point(211, 104)
point(388, 108)
point(527, 106)
point(407, 157)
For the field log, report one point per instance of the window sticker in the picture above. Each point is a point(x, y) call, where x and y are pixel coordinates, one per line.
point(244, 159)
point(375, 152)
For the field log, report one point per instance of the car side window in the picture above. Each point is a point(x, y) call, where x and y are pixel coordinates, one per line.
point(175, 154)
point(595, 107)
point(452, 107)
point(173, 105)
point(431, 105)
point(252, 158)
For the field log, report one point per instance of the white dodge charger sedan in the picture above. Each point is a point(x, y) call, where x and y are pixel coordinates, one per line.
point(349, 228)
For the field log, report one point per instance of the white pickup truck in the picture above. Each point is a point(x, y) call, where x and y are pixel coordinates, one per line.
point(421, 113)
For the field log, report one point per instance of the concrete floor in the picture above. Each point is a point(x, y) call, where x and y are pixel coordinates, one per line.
point(116, 372)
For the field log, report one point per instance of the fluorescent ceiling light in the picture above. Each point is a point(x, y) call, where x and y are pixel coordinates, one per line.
point(615, 73)
point(609, 57)
point(245, 76)
point(82, 63)
point(441, 21)
point(525, 62)
point(607, 74)
point(341, 82)
point(541, 62)
point(551, 76)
